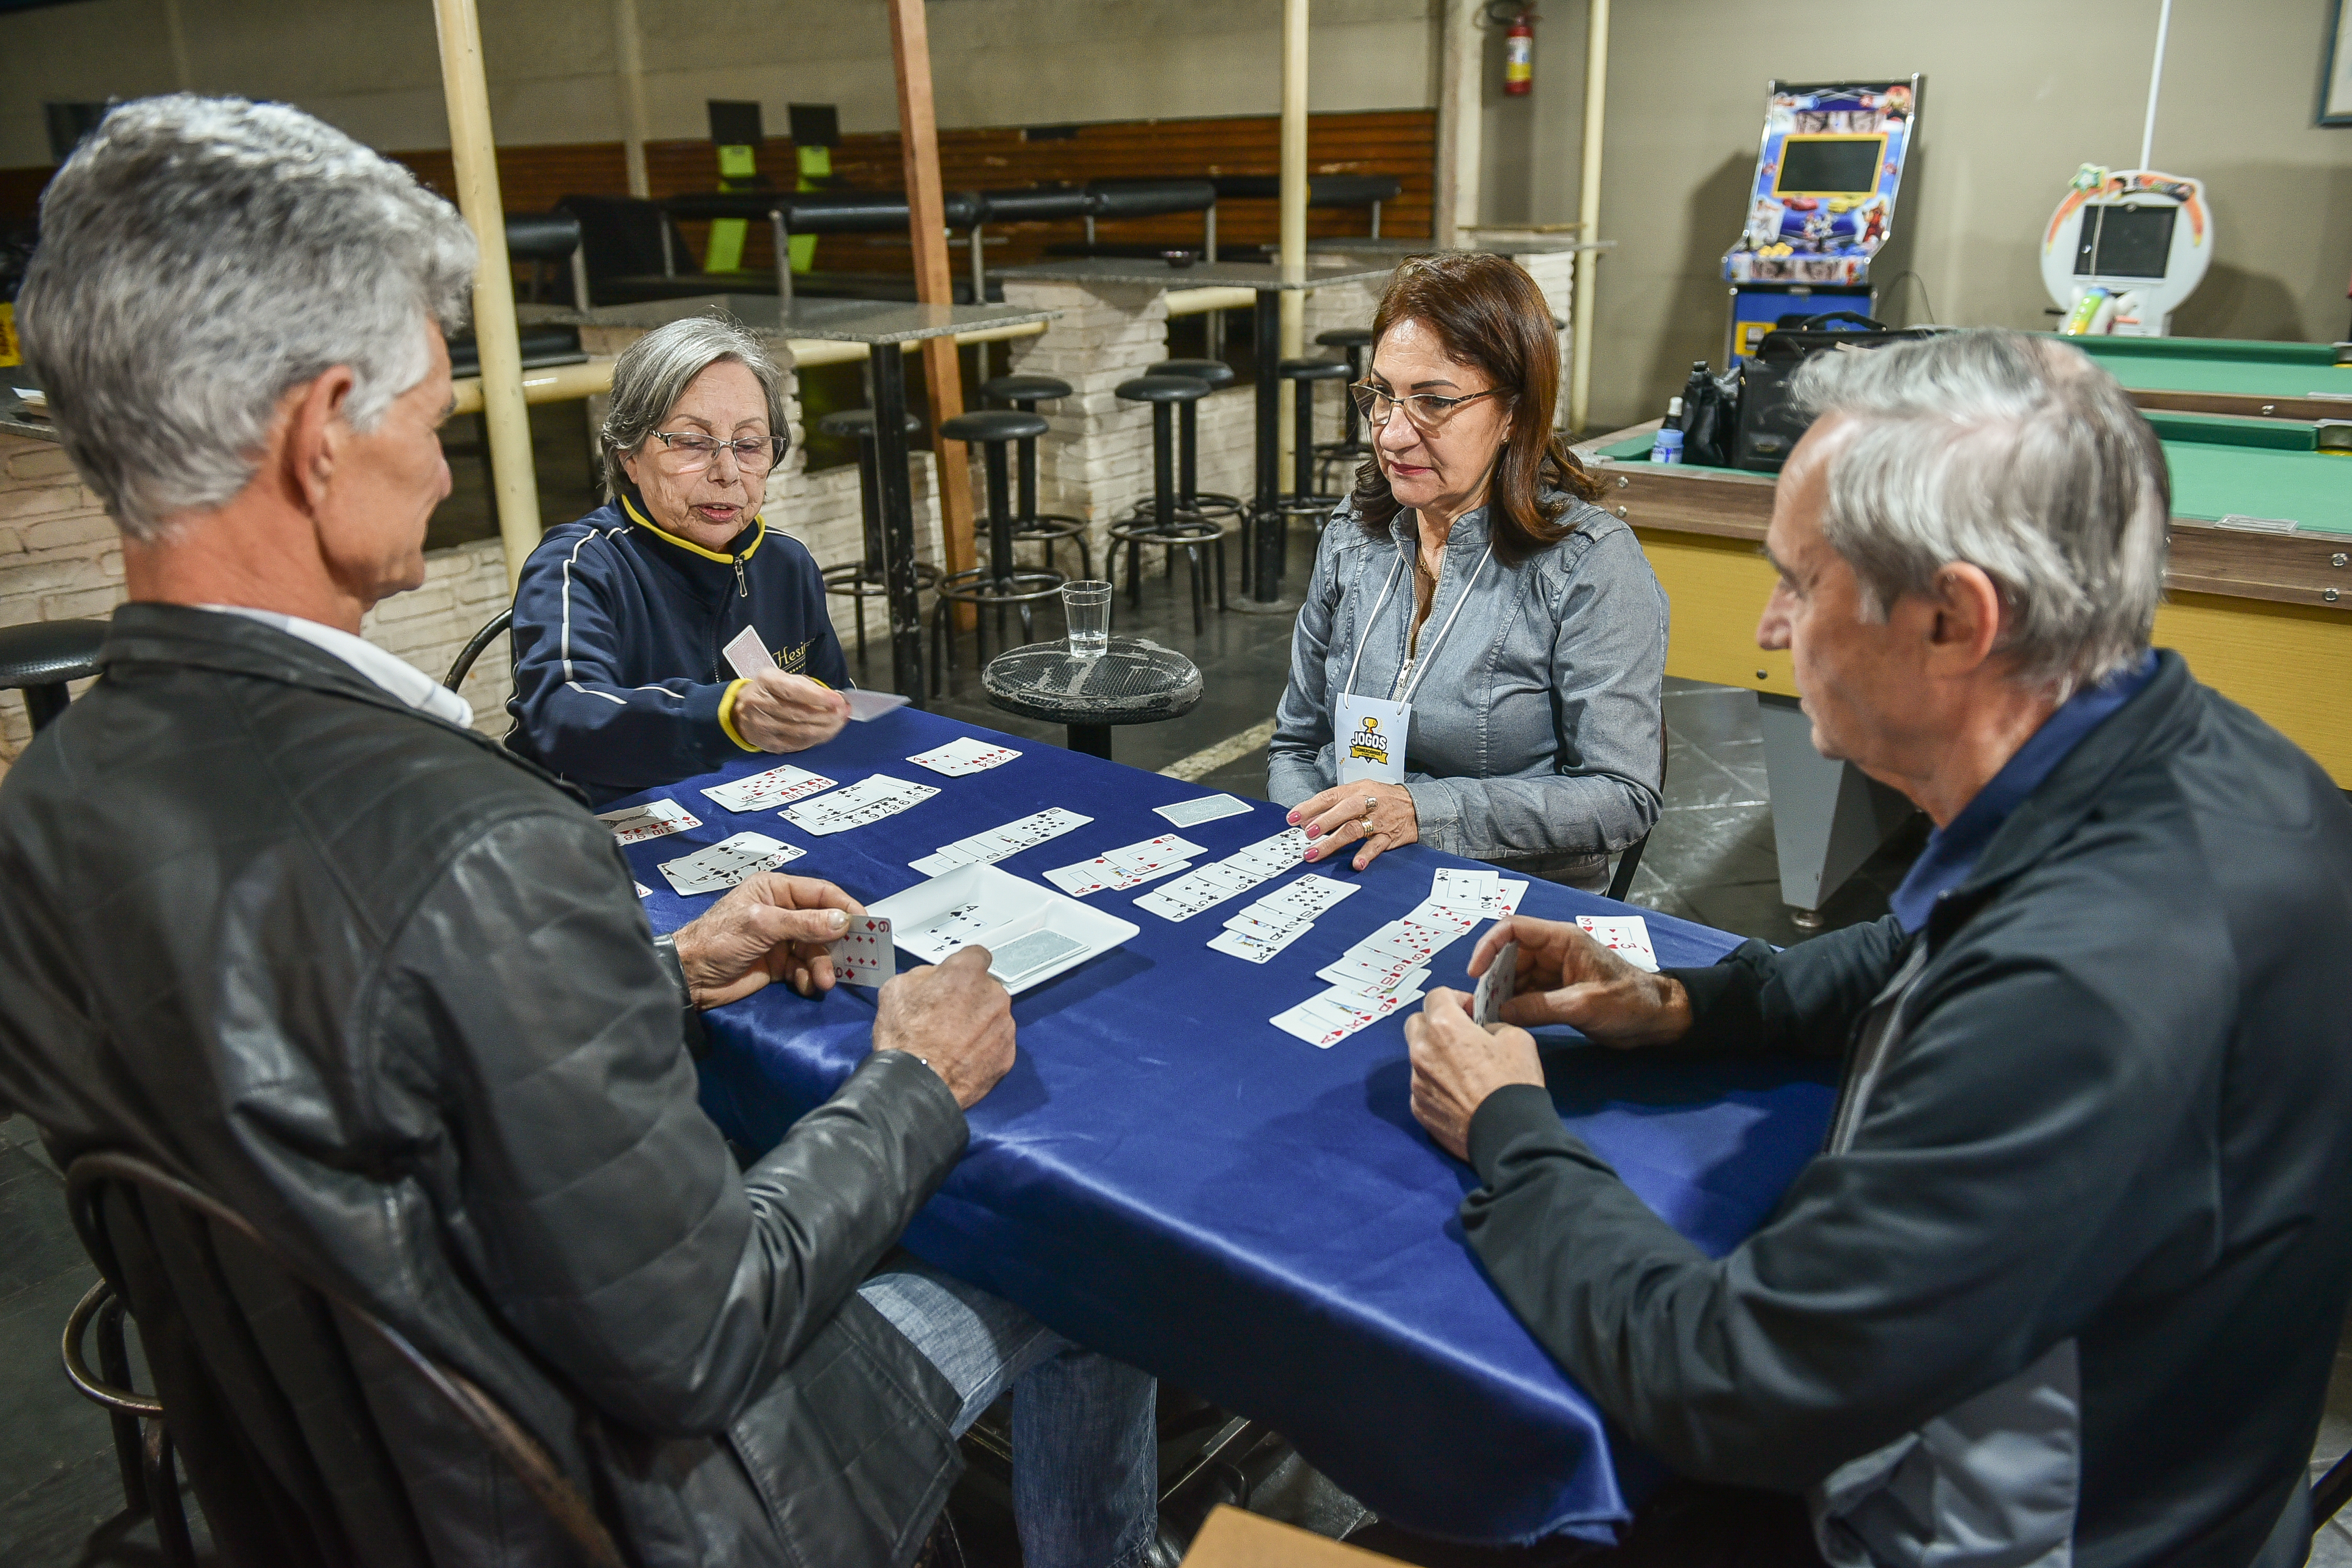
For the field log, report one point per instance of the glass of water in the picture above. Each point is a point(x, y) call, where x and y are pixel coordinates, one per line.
point(1086, 609)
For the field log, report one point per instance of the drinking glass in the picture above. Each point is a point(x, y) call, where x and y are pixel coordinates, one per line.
point(1086, 609)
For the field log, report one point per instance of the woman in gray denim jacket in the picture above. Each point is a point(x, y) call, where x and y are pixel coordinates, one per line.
point(1536, 733)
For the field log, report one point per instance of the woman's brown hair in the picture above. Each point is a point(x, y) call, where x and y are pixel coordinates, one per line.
point(1487, 313)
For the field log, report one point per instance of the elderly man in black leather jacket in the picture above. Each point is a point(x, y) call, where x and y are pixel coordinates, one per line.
point(277, 920)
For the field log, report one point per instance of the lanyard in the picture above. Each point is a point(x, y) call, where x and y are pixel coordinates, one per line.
point(1409, 678)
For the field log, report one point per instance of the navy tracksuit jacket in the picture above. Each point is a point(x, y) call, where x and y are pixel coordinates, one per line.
point(619, 681)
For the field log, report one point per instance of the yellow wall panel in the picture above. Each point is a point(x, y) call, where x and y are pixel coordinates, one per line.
point(1715, 590)
point(2290, 663)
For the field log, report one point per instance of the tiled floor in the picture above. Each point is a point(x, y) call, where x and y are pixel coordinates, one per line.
point(1710, 859)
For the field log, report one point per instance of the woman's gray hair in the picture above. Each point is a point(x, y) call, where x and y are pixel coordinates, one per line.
point(2018, 456)
point(200, 257)
point(654, 372)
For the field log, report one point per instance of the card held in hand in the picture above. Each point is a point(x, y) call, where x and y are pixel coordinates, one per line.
point(746, 655)
point(1494, 986)
point(867, 955)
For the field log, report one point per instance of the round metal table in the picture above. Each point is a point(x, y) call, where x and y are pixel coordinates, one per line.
point(1133, 682)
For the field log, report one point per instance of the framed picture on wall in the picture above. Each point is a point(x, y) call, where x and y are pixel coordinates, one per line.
point(2336, 70)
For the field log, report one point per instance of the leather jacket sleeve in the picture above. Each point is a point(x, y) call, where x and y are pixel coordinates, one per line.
point(526, 1018)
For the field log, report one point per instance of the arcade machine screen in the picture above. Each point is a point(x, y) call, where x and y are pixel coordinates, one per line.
point(1829, 166)
point(2124, 242)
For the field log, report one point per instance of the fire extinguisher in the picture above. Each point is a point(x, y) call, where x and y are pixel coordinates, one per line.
point(1519, 54)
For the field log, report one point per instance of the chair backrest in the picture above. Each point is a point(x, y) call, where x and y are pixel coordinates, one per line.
point(262, 1368)
point(621, 236)
point(491, 630)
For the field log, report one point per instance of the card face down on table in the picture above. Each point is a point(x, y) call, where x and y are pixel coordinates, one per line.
point(1032, 933)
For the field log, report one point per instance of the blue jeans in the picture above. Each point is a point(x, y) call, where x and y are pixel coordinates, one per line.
point(1085, 1447)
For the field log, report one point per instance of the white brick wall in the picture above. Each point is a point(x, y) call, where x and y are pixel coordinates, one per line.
point(61, 560)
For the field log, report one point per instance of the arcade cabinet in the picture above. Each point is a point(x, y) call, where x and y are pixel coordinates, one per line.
point(1822, 206)
point(2122, 250)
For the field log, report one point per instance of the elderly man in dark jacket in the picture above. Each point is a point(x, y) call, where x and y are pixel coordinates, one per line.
point(2064, 1284)
point(276, 919)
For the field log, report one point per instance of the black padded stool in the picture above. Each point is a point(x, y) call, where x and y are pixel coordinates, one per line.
point(1305, 499)
point(1352, 450)
point(1132, 681)
point(1031, 526)
point(1189, 497)
point(39, 657)
point(1001, 582)
point(1161, 522)
point(866, 579)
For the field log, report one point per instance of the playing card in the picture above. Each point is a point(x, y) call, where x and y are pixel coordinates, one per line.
point(1207, 808)
point(1253, 947)
point(963, 756)
point(767, 790)
point(1371, 970)
point(654, 819)
point(1023, 956)
point(1627, 936)
point(947, 933)
point(1315, 1028)
point(1164, 850)
point(1494, 986)
point(746, 655)
point(1308, 897)
point(1226, 875)
point(1170, 904)
point(1505, 900)
point(865, 705)
point(643, 891)
point(1398, 940)
point(1269, 928)
point(1459, 889)
point(997, 843)
point(867, 801)
point(728, 862)
point(866, 956)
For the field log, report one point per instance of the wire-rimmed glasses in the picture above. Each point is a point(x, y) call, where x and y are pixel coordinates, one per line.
point(1427, 410)
point(691, 452)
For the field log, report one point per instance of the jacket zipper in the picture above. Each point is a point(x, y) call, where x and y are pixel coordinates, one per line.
point(742, 587)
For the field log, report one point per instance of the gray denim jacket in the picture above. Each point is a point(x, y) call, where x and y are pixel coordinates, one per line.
point(1537, 730)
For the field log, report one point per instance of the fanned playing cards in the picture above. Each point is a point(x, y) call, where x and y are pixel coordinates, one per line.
point(766, 792)
point(963, 756)
point(728, 862)
point(654, 819)
point(867, 801)
point(987, 848)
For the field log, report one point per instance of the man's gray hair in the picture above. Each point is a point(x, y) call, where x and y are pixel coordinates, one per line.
point(199, 258)
point(654, 372)
point(2018, 456)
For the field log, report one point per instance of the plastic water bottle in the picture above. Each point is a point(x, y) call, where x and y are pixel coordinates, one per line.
point(1668, 445)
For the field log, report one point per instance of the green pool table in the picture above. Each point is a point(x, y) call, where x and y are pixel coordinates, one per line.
point(2262, 613)
point(2229, 375)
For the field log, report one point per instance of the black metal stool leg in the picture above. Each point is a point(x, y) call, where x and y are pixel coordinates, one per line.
point(1200, 589)
point(114, 1366)
point(45, 704)
point(1221, 571)
point(1094, 740)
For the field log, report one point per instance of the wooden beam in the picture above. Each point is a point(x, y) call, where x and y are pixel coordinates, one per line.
point(918, 140)
point(474, 151)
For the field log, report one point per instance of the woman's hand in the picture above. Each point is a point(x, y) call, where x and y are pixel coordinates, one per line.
point(1381, 815)
point(780, 712)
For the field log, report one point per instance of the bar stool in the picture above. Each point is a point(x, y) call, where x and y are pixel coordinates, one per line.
point(1189, 495)
point(1001, 582)
point(1305, 499)
point(39, 657)
point(868, 579)
point(1030, 526)
point(1352, 449)
point(1161, 522)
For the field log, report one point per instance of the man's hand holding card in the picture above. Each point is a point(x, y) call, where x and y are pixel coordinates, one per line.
point(771, 927)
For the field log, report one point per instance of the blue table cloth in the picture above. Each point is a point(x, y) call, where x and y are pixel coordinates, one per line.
point(1166, 1177)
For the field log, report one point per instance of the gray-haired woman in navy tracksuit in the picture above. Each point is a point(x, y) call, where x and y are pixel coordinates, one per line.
point(620, 618)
